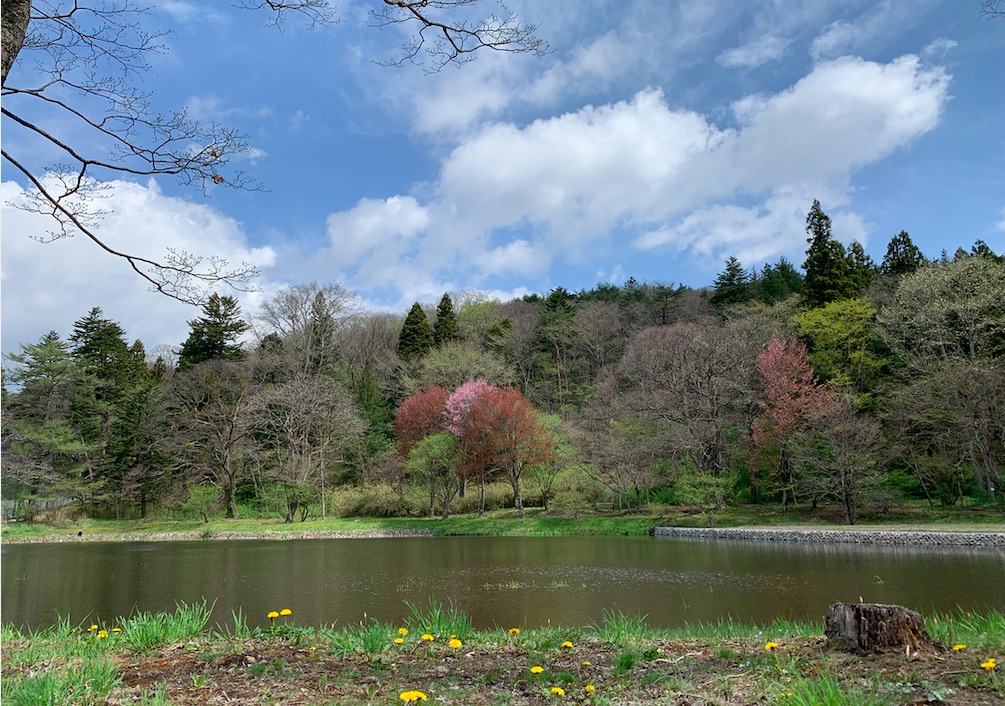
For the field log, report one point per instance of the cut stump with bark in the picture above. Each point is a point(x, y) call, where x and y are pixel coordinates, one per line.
point(873, 627)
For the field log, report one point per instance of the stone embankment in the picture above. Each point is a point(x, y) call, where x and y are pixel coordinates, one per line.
point(916, 538)
point(194, 536)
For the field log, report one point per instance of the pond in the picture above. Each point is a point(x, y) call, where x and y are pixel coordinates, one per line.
point(497, 581)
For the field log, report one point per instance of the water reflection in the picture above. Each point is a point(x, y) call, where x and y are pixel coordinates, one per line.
point(497, 581)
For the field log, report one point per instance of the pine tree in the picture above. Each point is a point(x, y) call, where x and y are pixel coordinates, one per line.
point(732, 286)
point(214, 336)
point(416, 336)
point(828, 276)
point(861, 268)
point(446, 328)
point(778, 282)
point(99, 344)
point(902, 256)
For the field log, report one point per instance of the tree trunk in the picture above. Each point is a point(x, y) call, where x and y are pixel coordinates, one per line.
point(291, 511)
point(14, 25)
point(517, 499)
point(873, 627)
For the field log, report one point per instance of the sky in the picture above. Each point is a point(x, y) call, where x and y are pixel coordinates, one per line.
point(656, 139)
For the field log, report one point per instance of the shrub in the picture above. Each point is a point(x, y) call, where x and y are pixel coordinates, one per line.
point(369, 500)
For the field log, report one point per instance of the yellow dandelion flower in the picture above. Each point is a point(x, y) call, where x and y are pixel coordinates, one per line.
point(558, 691)
point(769, 646)
point(92, 628)
point(567, 645)
point(585, 663)
point(990, 664)
point(412, 696)
point(514, 631)
point(399, 640)
point(455, 643)
point(402, 631)
point(272, 615)
point(959, 646)
point(286, 611)
point(314, 648)
point(427, 637)
point(589, 688)
point(102, 633)
point(116, 629)
point(536, 669)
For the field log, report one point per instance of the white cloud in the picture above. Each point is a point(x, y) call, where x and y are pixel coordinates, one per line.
point(938, 48)
point(57, 283)
point(640, 170)
point(873, 27)
point(760, 51)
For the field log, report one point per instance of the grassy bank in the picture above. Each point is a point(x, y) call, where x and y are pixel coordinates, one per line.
point(536, 523)
point(178, 659)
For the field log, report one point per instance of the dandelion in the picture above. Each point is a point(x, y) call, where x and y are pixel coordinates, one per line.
point(959, 646)
point(92, 628)
point(102, 633)
point(285, 611)
point(412, 696)
point(536, 669)
point(427, 637)
point(589, 688)
point(314, 648)
point(399, 641)
point(990, 664)
point(272, 615)
point(402, 631)
point(455, 643)
point(558, 691)
point(770, 646)
point(585, 663)
point(567, 645)
point(116, 629)
point(514, 631)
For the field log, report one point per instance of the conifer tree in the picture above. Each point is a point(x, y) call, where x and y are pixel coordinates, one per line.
point(446, 328)
point(902, 256)
point(732, 286)
point(214, 336)
point(828, 276)
point(778, 282)
point(416, 336)
point(862, 270)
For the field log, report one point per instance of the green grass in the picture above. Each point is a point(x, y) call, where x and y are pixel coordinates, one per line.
point(438, 620)
point(985, 629)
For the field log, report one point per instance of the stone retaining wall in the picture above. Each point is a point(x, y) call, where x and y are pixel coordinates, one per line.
point(193, 536)
point(990, 540)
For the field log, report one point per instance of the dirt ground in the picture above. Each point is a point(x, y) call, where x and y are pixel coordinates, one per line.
point(675, 673)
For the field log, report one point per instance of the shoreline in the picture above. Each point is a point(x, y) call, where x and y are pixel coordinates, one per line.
point(976, 539)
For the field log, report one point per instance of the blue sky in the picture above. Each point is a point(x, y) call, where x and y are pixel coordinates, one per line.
point(655, 140)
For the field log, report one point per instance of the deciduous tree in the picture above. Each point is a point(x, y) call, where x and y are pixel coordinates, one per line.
point(420, 415)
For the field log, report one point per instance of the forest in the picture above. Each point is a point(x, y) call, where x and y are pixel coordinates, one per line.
point(841, 383)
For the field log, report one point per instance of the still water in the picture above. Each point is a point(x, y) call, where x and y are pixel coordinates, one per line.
point(497, 581)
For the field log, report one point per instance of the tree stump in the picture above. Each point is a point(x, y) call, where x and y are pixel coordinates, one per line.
point(872, 627)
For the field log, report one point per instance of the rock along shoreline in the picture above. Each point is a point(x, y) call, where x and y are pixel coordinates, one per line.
point(916, 538)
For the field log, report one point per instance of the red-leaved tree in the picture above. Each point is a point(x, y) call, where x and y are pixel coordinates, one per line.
point(419, 416)
point(791, 398)
point(502, 430)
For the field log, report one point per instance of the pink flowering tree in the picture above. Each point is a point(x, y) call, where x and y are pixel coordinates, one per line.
point(459, 404)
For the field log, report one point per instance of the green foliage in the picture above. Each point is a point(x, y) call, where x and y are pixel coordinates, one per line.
point(446, 327)
point(214, 335)
point(621, 629)
point(147, 631)
point(203, 502)
point(370, 500)
point(416, 337)
point(828, 275)
point(902, 256)
point(845, 349)
point(732, 285)
point(778, 282)
point(439, 620)
point(826, 690)
point(985, 629)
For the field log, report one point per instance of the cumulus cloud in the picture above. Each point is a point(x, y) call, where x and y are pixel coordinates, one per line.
point(57, 283)
point(644, 172)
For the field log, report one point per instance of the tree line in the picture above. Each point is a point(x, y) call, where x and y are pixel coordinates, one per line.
point(843, 383)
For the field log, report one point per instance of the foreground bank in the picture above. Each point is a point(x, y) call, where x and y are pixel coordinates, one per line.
point(436, 657)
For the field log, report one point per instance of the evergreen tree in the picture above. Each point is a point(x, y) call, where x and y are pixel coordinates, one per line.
point(828, 276)
point(778, 282)
point(732, 286)
point(445, 329)
point(214, 335)
point(99, 344)
point(902, 256)
point(861, 268)
point(416, 336)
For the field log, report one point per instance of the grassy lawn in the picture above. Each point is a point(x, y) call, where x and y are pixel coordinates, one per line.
point(540, 523)
point(177, 659)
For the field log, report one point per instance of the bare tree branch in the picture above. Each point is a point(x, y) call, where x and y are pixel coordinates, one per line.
point(454, 42)
point(990, 9)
